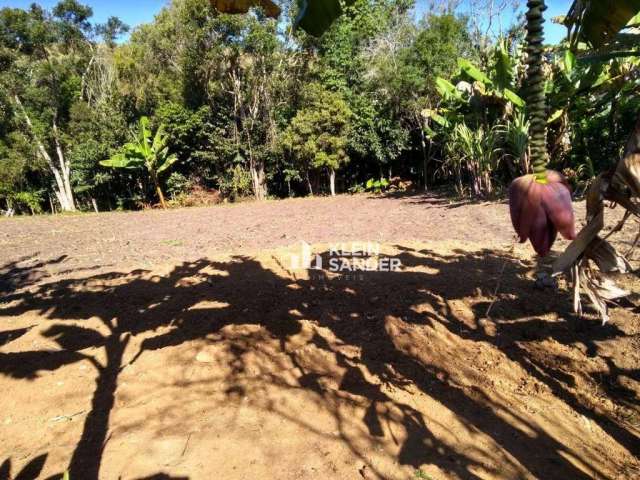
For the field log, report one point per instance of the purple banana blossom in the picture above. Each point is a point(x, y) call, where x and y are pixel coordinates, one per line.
point(540, 206)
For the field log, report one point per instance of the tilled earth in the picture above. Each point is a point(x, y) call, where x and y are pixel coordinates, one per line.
point(198, 344)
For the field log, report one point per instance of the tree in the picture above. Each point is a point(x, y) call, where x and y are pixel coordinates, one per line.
point(111, 30)
point(146, 151)
point(45, 58)
point(317, 136)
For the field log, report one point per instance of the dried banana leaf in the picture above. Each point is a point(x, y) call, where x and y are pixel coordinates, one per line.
point(628, 173)
point(599, 288)
point(606, 257)
point(579, 245)
point(242, 6)
point(595, 196)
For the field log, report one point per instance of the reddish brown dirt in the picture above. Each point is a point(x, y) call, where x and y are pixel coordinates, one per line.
point(181, 344)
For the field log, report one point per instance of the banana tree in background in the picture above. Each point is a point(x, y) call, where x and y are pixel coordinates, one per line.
point(146, 151)
point(479, 123)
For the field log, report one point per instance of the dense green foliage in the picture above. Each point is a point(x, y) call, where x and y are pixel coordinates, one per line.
point(149, 151)
point(250, 106)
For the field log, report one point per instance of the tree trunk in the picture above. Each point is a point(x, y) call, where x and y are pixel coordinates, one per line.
point(257, 176)
point(65, 168)
point(95, 204)
point(63, 189)
point(309, 184)
point(332, 182)
point(159, 191)
point(161, 197)
point(257, 181)
point(425, 161)
point(262, 181)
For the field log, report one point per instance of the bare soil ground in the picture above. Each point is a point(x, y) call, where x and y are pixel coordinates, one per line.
point(184, 345)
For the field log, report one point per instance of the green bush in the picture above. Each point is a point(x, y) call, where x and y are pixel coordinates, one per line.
point(235, 183)
point(376, 186)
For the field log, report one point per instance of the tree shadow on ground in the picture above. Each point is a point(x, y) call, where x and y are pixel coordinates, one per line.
point(18, 275)
point(30, 471)
point(372, 326)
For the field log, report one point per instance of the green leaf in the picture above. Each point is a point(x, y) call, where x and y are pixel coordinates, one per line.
point(82, 188)
point(513, 97)
point(603, 78)
point(160, 139)
point(504, 66)
point(436, 117)
point(446, 89)
point(474, 72)
point(429, 132)
point(569, 62)
point(167, 163)
point(555, 116)
point(145, 136)
point(121, 160)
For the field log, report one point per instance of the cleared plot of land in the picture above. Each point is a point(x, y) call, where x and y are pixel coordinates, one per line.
point(181, 344)
point(111, 239)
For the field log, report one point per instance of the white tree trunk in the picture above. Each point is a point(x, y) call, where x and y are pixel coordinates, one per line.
point(258, 181)
point(424, 159)
point(65, 168)
point(332, 181)
point(63, 187)
point(309, 186)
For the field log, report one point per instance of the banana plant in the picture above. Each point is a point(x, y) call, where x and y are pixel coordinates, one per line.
point(146, 151)
point(487, 87)
point(610, 29)
point(499, 86)
point(599, 22)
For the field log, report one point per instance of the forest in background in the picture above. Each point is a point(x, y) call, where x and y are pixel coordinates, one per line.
point(199, 106)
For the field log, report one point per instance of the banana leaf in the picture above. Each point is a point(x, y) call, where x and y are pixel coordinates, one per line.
point(513, 97)
point(504, 70)
point(168, 162)
point(555, 116)
point(436, 117)
point(598, 21)
point(474, 72)
point(122, 160)
point(446, 89)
